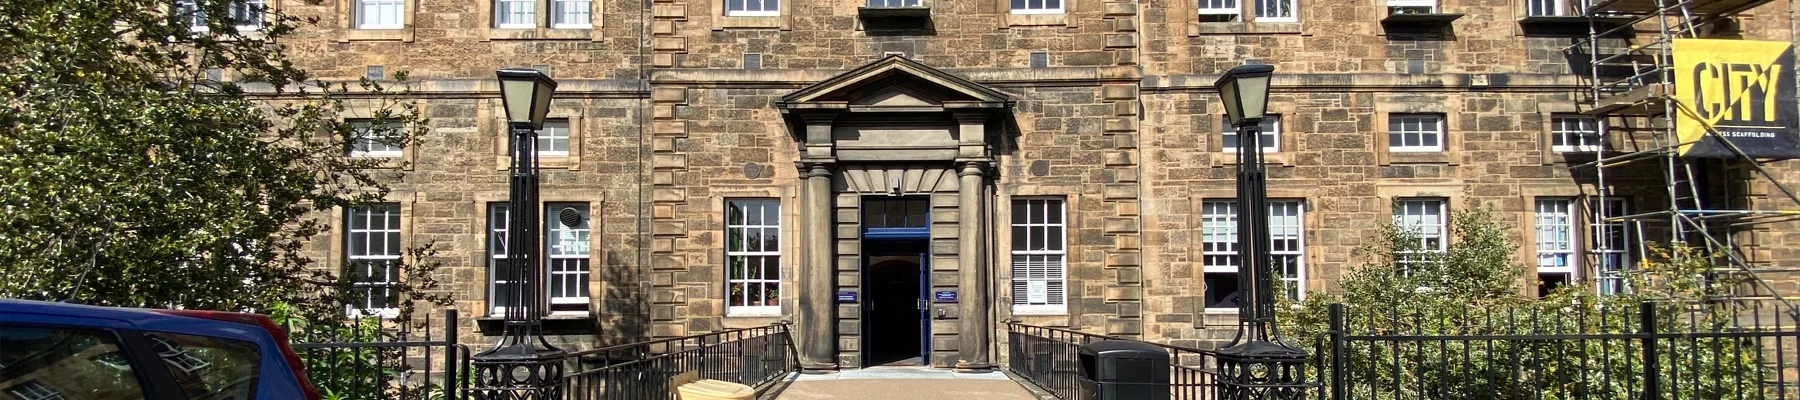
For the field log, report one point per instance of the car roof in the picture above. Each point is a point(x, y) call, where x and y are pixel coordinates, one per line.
point(78, 310)
point(142, 318)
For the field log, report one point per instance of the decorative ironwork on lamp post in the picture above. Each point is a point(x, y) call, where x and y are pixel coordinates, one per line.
point(1257, 364)
point(522, 365)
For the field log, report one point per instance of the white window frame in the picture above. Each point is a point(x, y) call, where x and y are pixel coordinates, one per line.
point(176, 356)
point(34, 390)
point(499, 222)
point(1578, 134)
point(563, 11)
point(1270, 127)
point(196, 19)
point(1287, 242)
point(515, 14)
point(1611, 253)
point(1555, 236)
point(256, 21)
point(1041, 257)
point(555, 131)
point(1042, 6)
point(568, 260)
point(1260, 10)
point(765, 8)
point(1219, 7)
point(386, 259)
point(1535, 8)
point(1429, 4)
point(363, 17)
point(1436, 130)
point(1431, 223)
point(753, 252)
point(367, 139)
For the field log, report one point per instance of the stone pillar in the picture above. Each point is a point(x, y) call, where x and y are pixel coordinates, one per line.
point(818, 325)
point(972, 302)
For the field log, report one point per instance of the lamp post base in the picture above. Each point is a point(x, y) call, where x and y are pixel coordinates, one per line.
point(519, 371)
point(1263, 370)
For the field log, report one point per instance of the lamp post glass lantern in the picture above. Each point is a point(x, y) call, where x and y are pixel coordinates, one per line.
point(1257, 364)
point(522, 365)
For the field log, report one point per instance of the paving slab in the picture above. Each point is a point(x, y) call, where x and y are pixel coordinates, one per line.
point(902, 383)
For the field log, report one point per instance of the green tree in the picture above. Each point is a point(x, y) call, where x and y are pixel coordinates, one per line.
point(1484, 338)
point(129, 175)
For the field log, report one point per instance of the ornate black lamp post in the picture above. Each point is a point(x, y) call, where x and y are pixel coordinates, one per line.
point(1257, 364)
point(522, 365)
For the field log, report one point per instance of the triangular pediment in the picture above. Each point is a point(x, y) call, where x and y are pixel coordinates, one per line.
point(895, 81)
point(896, 97)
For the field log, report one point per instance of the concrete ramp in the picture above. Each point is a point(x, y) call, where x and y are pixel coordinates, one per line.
point(901, 383)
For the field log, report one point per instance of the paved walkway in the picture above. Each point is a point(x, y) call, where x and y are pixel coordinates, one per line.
point(902, 383)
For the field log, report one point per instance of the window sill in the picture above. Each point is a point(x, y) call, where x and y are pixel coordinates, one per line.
point(404, 34)
point(1034, 19)
point(1229, 158)
point(1242, 27)
point(1040, 310)
point(498, 34)
point(572, 163)
point(751, 22)
point(387, 162)
point(1409, 157)
point(553, 324)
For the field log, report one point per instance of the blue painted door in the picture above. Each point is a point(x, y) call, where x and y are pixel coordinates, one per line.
point(925, 300)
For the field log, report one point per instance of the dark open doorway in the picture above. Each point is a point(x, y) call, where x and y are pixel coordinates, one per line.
point(893, 310)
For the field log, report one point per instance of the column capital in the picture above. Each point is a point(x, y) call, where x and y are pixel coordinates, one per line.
point(972, 167)
point(813, 169)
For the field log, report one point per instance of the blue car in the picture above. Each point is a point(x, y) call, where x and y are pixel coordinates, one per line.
point(59, 351)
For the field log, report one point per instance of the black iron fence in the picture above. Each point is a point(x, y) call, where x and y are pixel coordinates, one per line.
point(376, 358)
point(1654, 351)
point(1740, 350)
point(752, 356)
point(1050, 359)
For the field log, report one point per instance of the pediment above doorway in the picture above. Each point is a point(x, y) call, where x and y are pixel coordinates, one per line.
point(895, 84)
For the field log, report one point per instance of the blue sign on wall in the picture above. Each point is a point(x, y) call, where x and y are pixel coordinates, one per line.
point(846, 297)
point(946, 296)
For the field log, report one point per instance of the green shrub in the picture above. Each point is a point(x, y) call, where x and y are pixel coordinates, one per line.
point(1475, 288)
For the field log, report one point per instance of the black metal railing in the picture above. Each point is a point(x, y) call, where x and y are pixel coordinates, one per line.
point(1050, 359)
point(1654, 351)
point(377, 358)
point(756, 357)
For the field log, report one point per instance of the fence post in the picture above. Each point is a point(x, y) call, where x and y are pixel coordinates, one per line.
point(452, 377)
point(1647, 328)
point(1335, 313)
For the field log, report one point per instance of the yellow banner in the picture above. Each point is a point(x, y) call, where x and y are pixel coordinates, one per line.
point(1741, 89)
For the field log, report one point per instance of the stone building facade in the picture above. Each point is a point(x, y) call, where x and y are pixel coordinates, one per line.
point(914, 176)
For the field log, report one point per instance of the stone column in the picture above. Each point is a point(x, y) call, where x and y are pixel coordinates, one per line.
point(818, 325)
point(972, 302)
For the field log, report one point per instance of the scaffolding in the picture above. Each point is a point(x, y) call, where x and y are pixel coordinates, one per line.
point(1717, 205)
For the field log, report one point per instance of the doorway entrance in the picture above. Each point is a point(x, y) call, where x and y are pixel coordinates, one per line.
point(896, 276)
point(896, 313)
